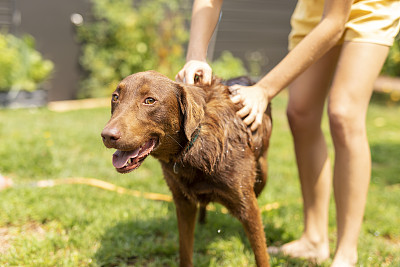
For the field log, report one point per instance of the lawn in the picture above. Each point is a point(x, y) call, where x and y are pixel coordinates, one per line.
point(83, 225)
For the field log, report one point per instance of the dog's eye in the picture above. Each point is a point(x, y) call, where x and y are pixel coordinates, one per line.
point(115, 97)
point(149, 101)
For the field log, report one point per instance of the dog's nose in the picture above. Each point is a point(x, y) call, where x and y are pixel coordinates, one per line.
point(110, 136)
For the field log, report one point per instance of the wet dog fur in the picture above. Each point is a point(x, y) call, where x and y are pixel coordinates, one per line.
point(206, 152)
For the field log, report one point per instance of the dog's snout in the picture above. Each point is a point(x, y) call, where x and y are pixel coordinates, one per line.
point(110, 136)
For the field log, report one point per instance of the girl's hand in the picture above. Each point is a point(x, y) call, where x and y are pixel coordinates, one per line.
point(255, 101)
point(192, 69)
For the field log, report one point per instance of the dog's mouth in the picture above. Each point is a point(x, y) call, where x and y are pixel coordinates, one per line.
point(126, 161)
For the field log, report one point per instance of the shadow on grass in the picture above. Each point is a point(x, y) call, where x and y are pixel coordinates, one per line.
point(385, 163)
point(154, 242)
point(139, 242)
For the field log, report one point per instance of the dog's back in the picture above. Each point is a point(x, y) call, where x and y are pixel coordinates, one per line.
point(222, 149)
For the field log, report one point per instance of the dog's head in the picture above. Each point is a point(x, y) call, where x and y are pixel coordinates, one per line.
point(150, 114)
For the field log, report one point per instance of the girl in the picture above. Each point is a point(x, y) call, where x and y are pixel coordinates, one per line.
point(337, 49)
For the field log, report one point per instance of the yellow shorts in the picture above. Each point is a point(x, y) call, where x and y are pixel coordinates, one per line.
point(370, 21)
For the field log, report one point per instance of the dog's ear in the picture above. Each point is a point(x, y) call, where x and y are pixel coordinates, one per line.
point(191, 103)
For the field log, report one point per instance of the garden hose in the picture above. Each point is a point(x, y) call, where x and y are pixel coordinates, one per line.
point(114, 188)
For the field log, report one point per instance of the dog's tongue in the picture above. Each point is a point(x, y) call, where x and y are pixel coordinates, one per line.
point(120, 158)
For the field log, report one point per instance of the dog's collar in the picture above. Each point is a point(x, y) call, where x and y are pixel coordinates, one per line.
point(193, 138)
point(188, 146)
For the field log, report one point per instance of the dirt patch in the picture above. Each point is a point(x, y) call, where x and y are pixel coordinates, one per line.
point(5, 240)
point(10, 233)
point(393, 241)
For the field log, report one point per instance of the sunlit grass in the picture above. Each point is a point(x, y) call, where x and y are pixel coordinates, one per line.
point(79, 225)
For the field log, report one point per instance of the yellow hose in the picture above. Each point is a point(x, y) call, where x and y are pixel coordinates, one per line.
point(121, 190)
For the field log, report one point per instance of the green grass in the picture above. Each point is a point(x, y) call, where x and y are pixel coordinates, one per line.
point(79, 225)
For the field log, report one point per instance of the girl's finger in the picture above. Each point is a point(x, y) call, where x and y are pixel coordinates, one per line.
point(251, 117)
point(257, 122)
point(189, 76)
point(236, 99)
point(244, 111)
point(179, 76)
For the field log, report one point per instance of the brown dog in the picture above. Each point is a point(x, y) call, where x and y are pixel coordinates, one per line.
point(206, 152)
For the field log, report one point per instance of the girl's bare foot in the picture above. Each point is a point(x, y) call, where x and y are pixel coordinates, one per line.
point(303, 248)
point(340, 263)
point(345, 257)
point(5, 182)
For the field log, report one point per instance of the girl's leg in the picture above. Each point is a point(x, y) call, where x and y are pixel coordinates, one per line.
point(307, 95)
point(358, 66)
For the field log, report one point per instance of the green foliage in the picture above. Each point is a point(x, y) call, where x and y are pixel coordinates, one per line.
point(392, 64)
point(21, 66)
point(125, 38)
point(227, 66)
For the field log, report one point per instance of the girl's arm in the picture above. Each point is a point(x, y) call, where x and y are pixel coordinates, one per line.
point(319, 41)
point(205, 14)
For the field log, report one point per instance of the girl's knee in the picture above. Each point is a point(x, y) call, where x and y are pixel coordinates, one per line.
point(345, 124)
point(302, 118)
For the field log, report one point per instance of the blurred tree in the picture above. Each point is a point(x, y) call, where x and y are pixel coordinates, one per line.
point(125, 38)
point(227, 66)
point(392, 64)
point(21, 65)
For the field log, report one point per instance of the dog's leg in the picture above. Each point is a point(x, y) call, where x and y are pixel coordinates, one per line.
point(261, 178)
point(186, 214)
point(202, 214)
point(251, 220)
